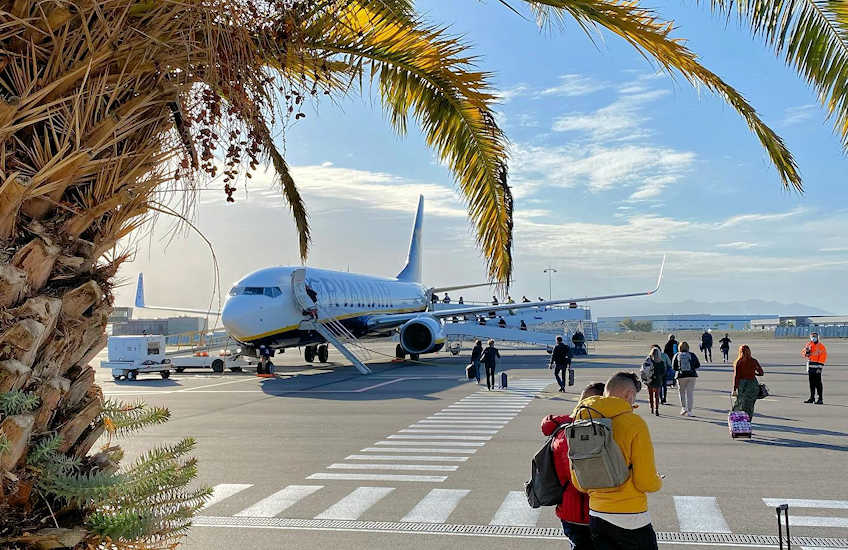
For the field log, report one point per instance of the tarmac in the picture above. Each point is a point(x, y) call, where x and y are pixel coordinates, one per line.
point(415, 455)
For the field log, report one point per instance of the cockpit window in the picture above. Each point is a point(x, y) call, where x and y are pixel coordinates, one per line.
point(270, 291)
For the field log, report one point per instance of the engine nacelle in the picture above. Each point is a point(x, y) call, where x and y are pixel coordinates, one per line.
point(422, 335)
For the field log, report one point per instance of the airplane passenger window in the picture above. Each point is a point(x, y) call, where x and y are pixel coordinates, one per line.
point(254, 290)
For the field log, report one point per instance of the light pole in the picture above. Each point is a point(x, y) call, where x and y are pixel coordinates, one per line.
point(550, 270)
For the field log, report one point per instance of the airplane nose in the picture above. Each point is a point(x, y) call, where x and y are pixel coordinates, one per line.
point(233, 317)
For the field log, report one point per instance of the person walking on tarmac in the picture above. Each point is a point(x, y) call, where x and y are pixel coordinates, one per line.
point(745, 386)
point(476, 354)
point(490, 357)
point(668, 377)
point(707, 346)
point(618, 517)
point(670, 349)
point(560, 362)
point(685, 365)
point(724, 346)
point(573, 511)
point(816, 354)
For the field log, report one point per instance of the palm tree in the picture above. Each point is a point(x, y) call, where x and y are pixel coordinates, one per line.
point(115, 111)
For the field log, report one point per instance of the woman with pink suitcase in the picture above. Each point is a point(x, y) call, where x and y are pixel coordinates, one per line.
point(746, 389)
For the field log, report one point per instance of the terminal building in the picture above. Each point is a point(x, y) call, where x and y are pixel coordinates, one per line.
point(671, 323)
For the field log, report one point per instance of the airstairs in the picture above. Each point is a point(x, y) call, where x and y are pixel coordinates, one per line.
point(331, 328)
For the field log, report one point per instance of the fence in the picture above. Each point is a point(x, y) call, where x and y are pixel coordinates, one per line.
point(827, 331)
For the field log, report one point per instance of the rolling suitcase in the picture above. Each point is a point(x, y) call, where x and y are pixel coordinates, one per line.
point(570, 376)
point(739, 424)
point(469, 372)
point(503, 380)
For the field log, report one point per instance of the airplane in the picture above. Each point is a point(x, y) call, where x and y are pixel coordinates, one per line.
point(296, 306)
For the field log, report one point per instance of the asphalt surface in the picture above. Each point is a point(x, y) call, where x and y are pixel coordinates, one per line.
point(274, 449)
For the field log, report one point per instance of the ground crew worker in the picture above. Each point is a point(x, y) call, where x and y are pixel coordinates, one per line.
point(618, 517)
point(816, 355)
point(560, 362)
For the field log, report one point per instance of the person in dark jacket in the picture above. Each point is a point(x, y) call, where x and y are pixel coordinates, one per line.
point(560, 362)
point(707, 346)
point(476, 354)
point(724, 346)
point(669, 349)
point(573, 511)
point(685, 365)
point(656, 381)
point(490, 357)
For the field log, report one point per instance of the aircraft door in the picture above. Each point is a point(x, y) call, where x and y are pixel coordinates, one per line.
point(301, 292)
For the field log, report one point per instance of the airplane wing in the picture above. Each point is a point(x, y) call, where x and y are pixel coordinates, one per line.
point(139, 302)
point(396, 319)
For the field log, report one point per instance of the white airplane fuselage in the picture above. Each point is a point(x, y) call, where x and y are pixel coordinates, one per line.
point(261, 308)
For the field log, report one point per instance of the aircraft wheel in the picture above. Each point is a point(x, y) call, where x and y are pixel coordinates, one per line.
point(179, 369)
point(165, 374)
point(399, 352)
point(218, 365)
point(132, 375)
point(309, 354)
point(235, 369)
point(414, 356)
point(323, 353)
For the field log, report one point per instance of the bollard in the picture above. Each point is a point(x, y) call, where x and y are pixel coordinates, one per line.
point(785, 509)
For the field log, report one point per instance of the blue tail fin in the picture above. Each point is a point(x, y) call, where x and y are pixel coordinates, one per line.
point(411, 272)
point(139, 291)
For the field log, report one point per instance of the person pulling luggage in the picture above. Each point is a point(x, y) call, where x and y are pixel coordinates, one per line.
point(560, 362)
point(476, 354)
point(490, 357)
point(745, 385)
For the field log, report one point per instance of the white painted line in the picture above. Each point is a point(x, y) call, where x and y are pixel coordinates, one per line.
point(356, 503)
point(279, 501)
point(805, 503)
point(409, 457)
point(453, 425)
point(398, 467)
point(515, 511)
point(440, 443)
point(439, 430)
point(225, 490)
point(416, 450)
point(386, 383)
point(506, 408)
point(700, 515)
point(444, 437)
point(817, 521)
point(455, 422)
point(240, 380)
point(436, 507)
point(378, 477)
point(459, 415)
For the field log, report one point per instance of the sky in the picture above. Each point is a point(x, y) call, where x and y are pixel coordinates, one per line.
point(612, 164)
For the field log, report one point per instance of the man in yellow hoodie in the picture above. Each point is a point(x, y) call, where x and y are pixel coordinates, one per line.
point(618, 517)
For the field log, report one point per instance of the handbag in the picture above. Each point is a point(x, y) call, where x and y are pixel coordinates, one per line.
point(764, 392)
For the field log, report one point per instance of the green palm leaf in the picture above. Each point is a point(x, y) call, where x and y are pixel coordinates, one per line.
point(651, 36)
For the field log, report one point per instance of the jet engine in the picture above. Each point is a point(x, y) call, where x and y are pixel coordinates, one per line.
point(422, 335)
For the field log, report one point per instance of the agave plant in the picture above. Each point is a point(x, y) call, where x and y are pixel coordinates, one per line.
point(113, 111)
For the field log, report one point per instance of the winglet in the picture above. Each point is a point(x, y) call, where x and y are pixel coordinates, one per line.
point(659, 279)
point(139, 291)
point(412, 270)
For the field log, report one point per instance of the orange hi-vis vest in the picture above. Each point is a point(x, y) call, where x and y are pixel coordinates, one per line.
point(818, 353)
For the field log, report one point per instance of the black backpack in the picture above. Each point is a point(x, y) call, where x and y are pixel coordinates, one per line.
point(544, 488)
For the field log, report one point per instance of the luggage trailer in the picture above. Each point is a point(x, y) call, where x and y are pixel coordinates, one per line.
point(129, 356)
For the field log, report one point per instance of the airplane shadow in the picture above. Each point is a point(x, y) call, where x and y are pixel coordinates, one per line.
point(148, 383)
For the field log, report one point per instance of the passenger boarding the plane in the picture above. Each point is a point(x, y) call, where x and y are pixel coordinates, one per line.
point(446, 299)
point(461, 301)
point(509, 300)
point(525, 300)
point(494, 300)
point(502, 323)
point(523, 325)
point(481, 320)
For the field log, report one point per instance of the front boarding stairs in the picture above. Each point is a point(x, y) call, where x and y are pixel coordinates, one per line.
point(331, 328)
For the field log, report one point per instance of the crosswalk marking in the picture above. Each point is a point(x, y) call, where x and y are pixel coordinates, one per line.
point(454, 425)
point(443, 437)
point(409, 457)
point(461, 420)
point(377, 477)
point(225, 490)
point(460, 415)
point(442, 443)
point(440, 430)
point(279, 501)
point(700, 515)
point(515, 511)
point(356, 503)
point(817, 521)
point(401, 467)
point(805, 503)
point(436, 507)
point(486, 406)
point(416, 450)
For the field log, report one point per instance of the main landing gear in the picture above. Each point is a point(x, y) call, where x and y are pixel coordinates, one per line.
point(400, 353)
point(322, 352)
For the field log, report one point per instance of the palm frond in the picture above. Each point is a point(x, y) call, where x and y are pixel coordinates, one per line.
point(424, 73)
point(812, 35)
point(651, 36)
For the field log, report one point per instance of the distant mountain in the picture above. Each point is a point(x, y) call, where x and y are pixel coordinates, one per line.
point(635, 307)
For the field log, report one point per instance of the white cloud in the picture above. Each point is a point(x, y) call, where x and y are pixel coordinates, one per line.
point(620, 120)
point(507, 95)
point(738, 245)
point(751, 218)
point(572, 85)
point(799, 114)
point(834, 249)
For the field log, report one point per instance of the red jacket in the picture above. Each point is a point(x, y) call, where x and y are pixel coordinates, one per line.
point(575, 505)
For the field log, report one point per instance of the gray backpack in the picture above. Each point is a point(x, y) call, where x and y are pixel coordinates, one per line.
point(595, 457)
